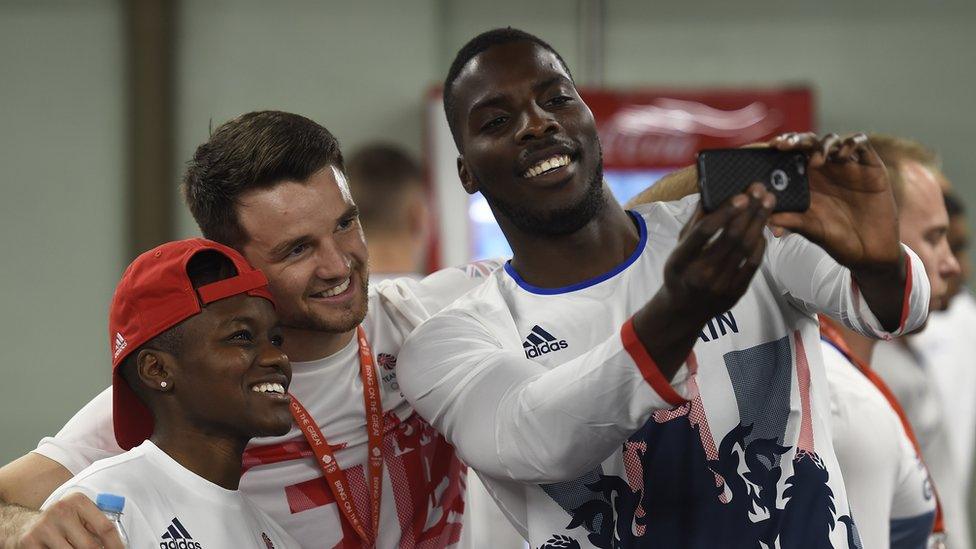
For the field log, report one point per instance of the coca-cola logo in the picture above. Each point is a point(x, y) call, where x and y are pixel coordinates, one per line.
point(669, 132)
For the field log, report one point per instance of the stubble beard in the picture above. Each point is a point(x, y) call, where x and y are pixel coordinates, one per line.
point(338, 324)
point(555, 222)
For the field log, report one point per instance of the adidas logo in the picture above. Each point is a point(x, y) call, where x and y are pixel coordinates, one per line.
point(120, 344)
point(540, 342)
point(176, 537)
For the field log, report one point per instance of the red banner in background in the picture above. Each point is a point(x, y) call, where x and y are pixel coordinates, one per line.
point(650, 129)
point(644, 132)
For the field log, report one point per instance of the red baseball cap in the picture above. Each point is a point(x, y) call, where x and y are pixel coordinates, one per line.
point(154, 295)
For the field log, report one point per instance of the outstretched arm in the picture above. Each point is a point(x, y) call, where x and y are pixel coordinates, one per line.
point(510, 417)
point(853, 217)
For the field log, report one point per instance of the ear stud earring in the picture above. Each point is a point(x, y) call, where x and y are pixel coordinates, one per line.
point(163, 384)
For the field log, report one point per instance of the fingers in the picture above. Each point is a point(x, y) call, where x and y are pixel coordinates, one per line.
point(73, 522)
point(831, 147)
point(720, 253)
point(755, 236)
point(739, 250)
point(795, 141)
point(699, 213)
point(856, 148)
point(98, 524)
point(699, 232)
point(741, 233)
point(849, 149)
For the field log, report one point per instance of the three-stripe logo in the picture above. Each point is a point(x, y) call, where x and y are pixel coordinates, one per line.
point(120, 345)
point(540, 342)
point(176, 537)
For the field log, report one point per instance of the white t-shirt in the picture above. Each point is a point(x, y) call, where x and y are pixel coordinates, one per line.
point(947, 347)
point(582, 442)
point(910, 381)
point(165, 504)
point(887, 484)
point(423, 488)
point(483, 524)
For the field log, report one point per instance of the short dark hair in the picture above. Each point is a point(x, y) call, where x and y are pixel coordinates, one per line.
point(475, 46)
point(379, 176)
point(203, 268)
point(954, 206)
point(256, 150)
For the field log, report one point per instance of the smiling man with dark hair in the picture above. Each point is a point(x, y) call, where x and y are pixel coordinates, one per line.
point(649, 378)
point(273, 186)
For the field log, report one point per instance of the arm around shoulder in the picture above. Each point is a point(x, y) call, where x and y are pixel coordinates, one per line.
point(24, 485)
point(674, 186)
point(71, 521)
point(30, 479)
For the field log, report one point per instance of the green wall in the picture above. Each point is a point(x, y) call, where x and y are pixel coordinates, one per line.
point(362, 69)
point(61, 222)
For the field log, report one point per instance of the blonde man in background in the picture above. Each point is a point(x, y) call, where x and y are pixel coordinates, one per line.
point(947, 349)
point(918, 181)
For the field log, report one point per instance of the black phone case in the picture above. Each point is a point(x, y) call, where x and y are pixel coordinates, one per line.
point(723, 173)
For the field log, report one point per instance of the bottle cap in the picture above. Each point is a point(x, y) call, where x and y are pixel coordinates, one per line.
point(110, 503)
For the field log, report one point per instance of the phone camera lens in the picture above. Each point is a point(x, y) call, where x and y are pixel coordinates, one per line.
point(779, 180)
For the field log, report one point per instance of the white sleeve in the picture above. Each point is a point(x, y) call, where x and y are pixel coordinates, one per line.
point(816, 283)
point(66, 489)
point(512, 418)
point(87, 437)
point(413, 301)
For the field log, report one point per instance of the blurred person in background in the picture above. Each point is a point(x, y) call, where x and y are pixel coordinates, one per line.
point(926, 227)
point(387, 185)
point(272, 185)
point(891, 498)
point(947, 348)
point(890, 492)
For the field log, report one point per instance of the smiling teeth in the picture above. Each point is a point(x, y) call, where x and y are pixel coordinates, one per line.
point(335, 290)
point(269, 388)
point(546, 165)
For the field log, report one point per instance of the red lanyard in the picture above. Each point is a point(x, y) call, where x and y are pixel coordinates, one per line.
point(833, 336)
point(336, 477)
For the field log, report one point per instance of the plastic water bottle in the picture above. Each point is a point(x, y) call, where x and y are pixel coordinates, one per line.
point(112, 506)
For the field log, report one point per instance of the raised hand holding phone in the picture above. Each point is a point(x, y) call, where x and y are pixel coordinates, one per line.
point(723, 173)
point(852, 216)
point(852, 212)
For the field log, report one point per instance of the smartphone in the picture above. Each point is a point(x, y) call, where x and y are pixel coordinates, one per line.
point(724, 173)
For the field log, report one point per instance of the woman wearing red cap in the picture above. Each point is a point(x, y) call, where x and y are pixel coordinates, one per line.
point(197, 372)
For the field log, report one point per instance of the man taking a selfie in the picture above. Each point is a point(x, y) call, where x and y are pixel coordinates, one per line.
point(653, 377)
